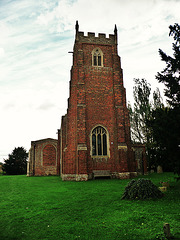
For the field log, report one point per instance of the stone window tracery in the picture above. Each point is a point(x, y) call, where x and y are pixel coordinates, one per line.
point(99, 142)
point(97, 57)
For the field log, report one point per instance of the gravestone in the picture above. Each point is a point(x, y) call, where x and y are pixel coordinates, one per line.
point(159, 169)
point(166, 229)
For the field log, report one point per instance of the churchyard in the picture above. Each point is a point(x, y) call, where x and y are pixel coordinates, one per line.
point(47, 208)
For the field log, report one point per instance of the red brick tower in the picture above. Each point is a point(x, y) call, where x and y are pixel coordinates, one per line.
point(94, 138)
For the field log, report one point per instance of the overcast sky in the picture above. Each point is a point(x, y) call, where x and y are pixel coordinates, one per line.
point(35, 38)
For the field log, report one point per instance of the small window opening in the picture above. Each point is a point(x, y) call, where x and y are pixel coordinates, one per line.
point(97, 58)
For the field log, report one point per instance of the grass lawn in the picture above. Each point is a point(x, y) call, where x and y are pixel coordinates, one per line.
point(47, 208)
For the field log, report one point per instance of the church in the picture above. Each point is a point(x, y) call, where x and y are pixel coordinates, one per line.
point(94, 138)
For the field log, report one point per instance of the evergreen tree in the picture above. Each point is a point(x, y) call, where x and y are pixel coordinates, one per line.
point(165, 131)
point(16, 164)
point(152, 123)
point(165, 122)
point(170, 76)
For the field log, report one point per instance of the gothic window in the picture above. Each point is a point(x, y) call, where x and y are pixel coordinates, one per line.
point(99, 142)
point(97, 57)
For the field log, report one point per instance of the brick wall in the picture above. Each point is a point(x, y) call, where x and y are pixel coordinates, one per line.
point(97, 98)
point(43, 158)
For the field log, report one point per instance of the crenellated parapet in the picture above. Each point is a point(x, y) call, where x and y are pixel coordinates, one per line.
point(91, 38)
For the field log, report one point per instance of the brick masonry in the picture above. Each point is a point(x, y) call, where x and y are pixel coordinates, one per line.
point(97, 98)
point(43, 158)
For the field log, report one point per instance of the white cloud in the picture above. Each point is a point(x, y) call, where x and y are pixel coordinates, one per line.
point(2, 53)
point(36, 37)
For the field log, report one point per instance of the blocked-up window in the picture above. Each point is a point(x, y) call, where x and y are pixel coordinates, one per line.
point(49, 155)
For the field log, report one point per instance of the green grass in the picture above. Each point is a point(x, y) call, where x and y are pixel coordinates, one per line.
point(47, 208)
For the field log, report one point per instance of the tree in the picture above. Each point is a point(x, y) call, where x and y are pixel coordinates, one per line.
point(1, 165)
point(157, 99)
point(165, 129)
point(16, 164)
point(164, 123)
point(140, 115)
point(154, 152)
point(152, 123)
point(140, 111)
point(170, 76)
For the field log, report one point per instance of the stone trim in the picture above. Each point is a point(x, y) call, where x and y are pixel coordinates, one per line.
point(98, 69)
point(85, 177)
point(122, 147)
point(82, 147)
point(108, 144)
point(119, 106)
point(123, 175)
point(80, 83)
point(74, 177)
point(100, 158)
point(94, 53)
point(81, 105)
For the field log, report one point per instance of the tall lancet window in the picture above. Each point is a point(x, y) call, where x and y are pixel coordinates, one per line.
point(99, 142)
point(97, 57)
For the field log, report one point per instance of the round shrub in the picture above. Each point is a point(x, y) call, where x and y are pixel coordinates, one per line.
point(141, 189)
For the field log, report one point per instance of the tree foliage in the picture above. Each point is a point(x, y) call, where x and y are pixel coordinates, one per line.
point(170, 76)
point(165, 130)
point(165, 122)
point(140, 111)
point(140, 116)
point(16, 164)
point(152, 123)
point(157, 99)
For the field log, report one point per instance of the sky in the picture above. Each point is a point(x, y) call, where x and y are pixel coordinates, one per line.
point(35, 38)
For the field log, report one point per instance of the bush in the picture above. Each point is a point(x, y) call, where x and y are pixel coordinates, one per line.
point(141, 189)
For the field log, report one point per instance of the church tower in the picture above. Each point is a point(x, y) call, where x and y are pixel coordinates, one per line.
point(94, 138)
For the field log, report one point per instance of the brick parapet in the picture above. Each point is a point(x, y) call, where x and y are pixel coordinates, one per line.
point(91, 38)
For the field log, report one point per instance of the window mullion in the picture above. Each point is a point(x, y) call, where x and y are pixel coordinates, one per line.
point(96, 143)
point(102, 143)
point(99, 142)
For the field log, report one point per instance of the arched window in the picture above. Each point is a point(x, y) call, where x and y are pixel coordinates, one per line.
point(97, 57)
point(99, 142)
